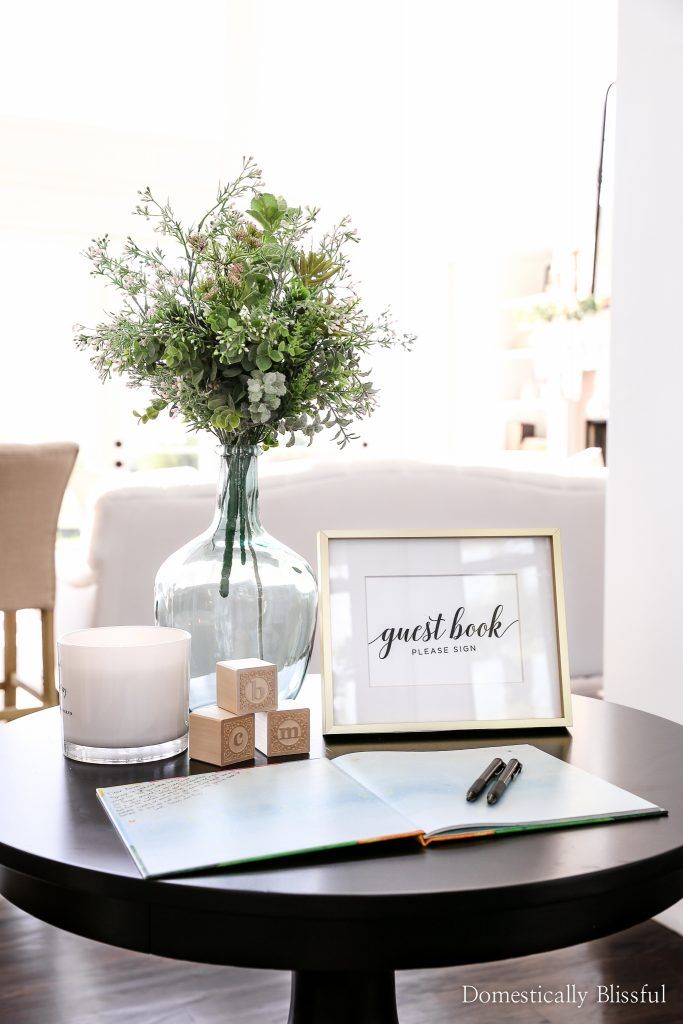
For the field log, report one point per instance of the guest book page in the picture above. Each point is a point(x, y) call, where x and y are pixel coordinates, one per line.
point(222, 818)
point(430, 787)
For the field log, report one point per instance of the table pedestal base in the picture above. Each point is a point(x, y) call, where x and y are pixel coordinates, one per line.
point(343, 997)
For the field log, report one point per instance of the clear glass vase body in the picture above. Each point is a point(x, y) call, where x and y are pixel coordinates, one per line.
point(238, 591)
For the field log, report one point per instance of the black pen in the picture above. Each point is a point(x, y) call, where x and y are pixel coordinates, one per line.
point(494, 769)
point(510, 772)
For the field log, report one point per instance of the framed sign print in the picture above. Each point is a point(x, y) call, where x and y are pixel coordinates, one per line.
point(442, 630)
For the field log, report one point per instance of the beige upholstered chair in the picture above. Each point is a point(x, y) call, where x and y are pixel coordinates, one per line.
point(33, 479)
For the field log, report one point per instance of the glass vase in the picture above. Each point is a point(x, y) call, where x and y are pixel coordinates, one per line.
point(238, 591)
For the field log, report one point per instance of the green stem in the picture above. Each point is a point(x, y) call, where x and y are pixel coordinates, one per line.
point(237, 509)
point(230, 527)
point(242, 469)
point(259, 593)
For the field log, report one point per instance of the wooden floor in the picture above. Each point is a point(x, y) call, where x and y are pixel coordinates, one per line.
point(50, 977)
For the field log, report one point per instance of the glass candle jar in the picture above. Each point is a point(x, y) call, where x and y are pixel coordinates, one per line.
point(124, 693)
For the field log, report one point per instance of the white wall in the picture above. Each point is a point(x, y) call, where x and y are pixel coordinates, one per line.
point(96, 101)
point(460, 135)
point(643, 652)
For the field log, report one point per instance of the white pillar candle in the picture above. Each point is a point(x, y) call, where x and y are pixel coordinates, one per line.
point(124, 692)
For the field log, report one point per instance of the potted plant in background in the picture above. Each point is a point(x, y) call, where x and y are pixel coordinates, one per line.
point(247, 327)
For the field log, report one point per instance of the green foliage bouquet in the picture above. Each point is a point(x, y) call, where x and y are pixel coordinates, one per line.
point(243, 326)
point(251, 331)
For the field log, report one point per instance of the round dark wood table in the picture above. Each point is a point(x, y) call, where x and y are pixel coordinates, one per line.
point(343, 925)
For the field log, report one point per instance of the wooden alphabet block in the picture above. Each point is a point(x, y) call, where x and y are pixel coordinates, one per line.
point(246, 685)
point(284, 732)
point(221, 738)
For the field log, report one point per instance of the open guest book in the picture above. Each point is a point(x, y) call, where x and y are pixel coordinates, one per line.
point(233, 817)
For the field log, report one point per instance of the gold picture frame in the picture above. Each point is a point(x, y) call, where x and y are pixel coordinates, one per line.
point(332, 727)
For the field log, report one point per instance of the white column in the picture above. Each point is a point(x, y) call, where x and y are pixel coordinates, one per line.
point(643, 627)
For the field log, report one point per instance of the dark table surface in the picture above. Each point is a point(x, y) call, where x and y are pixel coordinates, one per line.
point(387, 907)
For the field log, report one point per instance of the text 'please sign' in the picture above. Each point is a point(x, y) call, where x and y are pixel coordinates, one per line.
point(443, 630)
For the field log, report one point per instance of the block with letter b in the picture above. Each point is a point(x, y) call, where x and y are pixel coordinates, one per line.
point(221, 738)
point(284, 732)
point(246, 685)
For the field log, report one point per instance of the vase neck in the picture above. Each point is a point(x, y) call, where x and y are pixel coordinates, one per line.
point(237, 498)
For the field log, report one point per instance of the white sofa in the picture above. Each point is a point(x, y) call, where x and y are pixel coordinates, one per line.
point(135, 528)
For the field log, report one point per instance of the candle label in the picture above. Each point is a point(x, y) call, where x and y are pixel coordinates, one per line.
point(62, 699)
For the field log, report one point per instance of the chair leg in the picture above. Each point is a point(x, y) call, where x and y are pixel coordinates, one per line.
point(10, 659)
point(50, 695)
